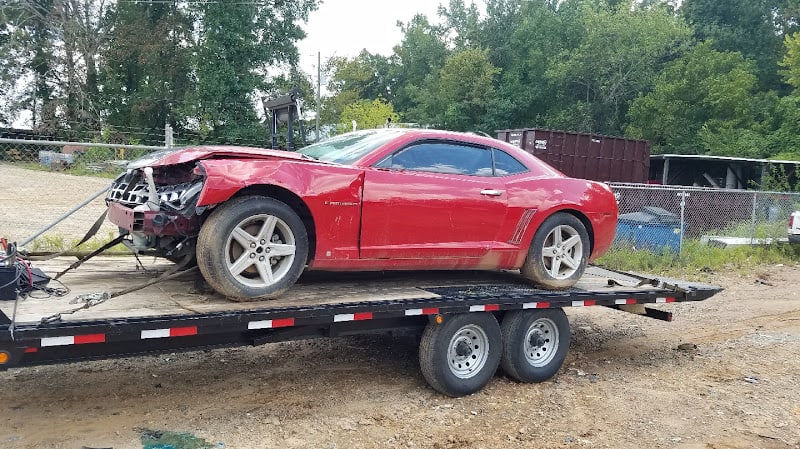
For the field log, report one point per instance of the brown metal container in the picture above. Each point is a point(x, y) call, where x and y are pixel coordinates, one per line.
point(582, 155)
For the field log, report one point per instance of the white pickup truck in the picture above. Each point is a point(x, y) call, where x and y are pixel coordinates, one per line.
point(794, 227)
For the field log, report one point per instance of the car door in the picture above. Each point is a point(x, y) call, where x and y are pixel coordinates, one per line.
point(432, 199)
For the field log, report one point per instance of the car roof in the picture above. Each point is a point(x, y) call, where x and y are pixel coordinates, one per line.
point(441, 134)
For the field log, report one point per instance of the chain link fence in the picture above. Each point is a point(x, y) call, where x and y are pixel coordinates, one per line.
point(652, 217)
point(72, 157)
point(661, 218)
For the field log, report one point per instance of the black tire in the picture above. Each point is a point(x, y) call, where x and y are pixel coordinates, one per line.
point(535, 343)
point(231, 234)
point(555, 261)
point(461, 355)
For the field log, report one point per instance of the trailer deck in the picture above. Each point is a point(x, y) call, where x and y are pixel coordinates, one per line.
point(171, 315)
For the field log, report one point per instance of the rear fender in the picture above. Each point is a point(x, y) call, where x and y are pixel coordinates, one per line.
point(591, 202)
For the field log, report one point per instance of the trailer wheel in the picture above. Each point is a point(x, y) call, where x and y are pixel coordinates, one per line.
point(461, 355)
point(558, 253)
point(535, 343)
point(252, 248)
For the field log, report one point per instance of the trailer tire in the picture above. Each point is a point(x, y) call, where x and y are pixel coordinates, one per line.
point(558, 253)
point(264, 230)
point(535, 343)
point(461, 355)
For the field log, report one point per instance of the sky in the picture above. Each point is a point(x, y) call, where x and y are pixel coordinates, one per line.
point(345, 27)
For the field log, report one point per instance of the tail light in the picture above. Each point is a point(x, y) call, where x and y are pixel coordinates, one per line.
point(791, 221)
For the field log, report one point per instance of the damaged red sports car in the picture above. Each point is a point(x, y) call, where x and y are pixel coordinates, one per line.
point(380, 199)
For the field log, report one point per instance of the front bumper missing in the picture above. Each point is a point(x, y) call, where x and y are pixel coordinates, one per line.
point(159, 223)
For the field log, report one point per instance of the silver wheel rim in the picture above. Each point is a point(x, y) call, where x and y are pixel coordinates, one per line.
point(541, 342)
point(562, 252)
point(468, 351)
point(260, 251)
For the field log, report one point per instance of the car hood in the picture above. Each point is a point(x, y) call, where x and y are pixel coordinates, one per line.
point(175, 156)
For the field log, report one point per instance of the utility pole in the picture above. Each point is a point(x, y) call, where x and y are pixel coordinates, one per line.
point(319, 88)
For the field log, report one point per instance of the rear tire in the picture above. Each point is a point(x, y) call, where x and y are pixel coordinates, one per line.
point(558, 253)
point(535, 343)
point(461, 355)
point(252, 248)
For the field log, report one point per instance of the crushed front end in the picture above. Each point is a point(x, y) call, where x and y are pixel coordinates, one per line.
point(156, 207)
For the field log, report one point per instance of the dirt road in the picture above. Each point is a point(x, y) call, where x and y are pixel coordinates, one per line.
point(625, 384)
point(629, 382)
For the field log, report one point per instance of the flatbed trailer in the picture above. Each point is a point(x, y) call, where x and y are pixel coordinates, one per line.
point(470, 322)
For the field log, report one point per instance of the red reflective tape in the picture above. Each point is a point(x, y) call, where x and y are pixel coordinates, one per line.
point(362, 316)
point(492, 307)
point(430, 311)
point(30, 350)
point(283, 322)
point(90, 338)
point(542, 305)
point(630, 301)
point(589, 302)
point(670, 299)
point(182, 331)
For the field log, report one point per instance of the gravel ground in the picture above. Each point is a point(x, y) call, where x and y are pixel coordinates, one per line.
point(32, 199)
point(723, 375)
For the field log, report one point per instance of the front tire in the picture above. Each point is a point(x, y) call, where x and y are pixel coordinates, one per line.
point(461, 355)
point(558, 253)
point(252, 248)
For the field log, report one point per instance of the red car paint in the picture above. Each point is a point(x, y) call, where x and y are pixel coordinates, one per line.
point(369, 218)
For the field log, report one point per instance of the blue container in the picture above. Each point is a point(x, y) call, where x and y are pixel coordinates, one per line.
point(653, 228)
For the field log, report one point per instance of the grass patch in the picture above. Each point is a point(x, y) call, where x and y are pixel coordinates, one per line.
point(762, 230)
point(55, 242)
point(75, 170)
point(697, 257)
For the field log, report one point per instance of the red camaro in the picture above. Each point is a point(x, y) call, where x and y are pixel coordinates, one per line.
point(379, 199)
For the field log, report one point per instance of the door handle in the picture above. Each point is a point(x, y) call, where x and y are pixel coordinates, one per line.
point(491, 192)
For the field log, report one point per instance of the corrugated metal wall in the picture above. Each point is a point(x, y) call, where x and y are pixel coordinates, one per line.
point(588, 156)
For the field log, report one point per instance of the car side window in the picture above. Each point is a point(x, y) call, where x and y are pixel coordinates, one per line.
point(441, 157)
point(505, 164)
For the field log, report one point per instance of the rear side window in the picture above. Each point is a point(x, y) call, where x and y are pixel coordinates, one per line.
point(505, 164)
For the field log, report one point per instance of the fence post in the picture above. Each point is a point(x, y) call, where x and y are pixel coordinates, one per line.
point(168, 138)
point(753, 217)
point(683, 194)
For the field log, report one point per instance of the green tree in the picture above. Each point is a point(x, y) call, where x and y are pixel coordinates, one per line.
point(791, 60)
point(523, 39)
point(414, 67)
point(785, 139)
point(701, 103)
point(618, 59)
point(145, 75)
point(363, 77)
point(755, 28)
point(463, 91)
point(236, 44)
point(366, 74)
point(12, 49)
point(62, 42)
point(462, 23)
point(367, 114)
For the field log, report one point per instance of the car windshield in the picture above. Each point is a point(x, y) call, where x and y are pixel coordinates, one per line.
point(350, 147)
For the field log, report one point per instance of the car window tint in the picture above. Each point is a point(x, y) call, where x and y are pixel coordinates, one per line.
point(441, 158)
point(505, 164)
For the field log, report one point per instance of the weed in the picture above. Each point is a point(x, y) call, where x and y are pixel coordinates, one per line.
point(698, 257)
point(55, 242)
